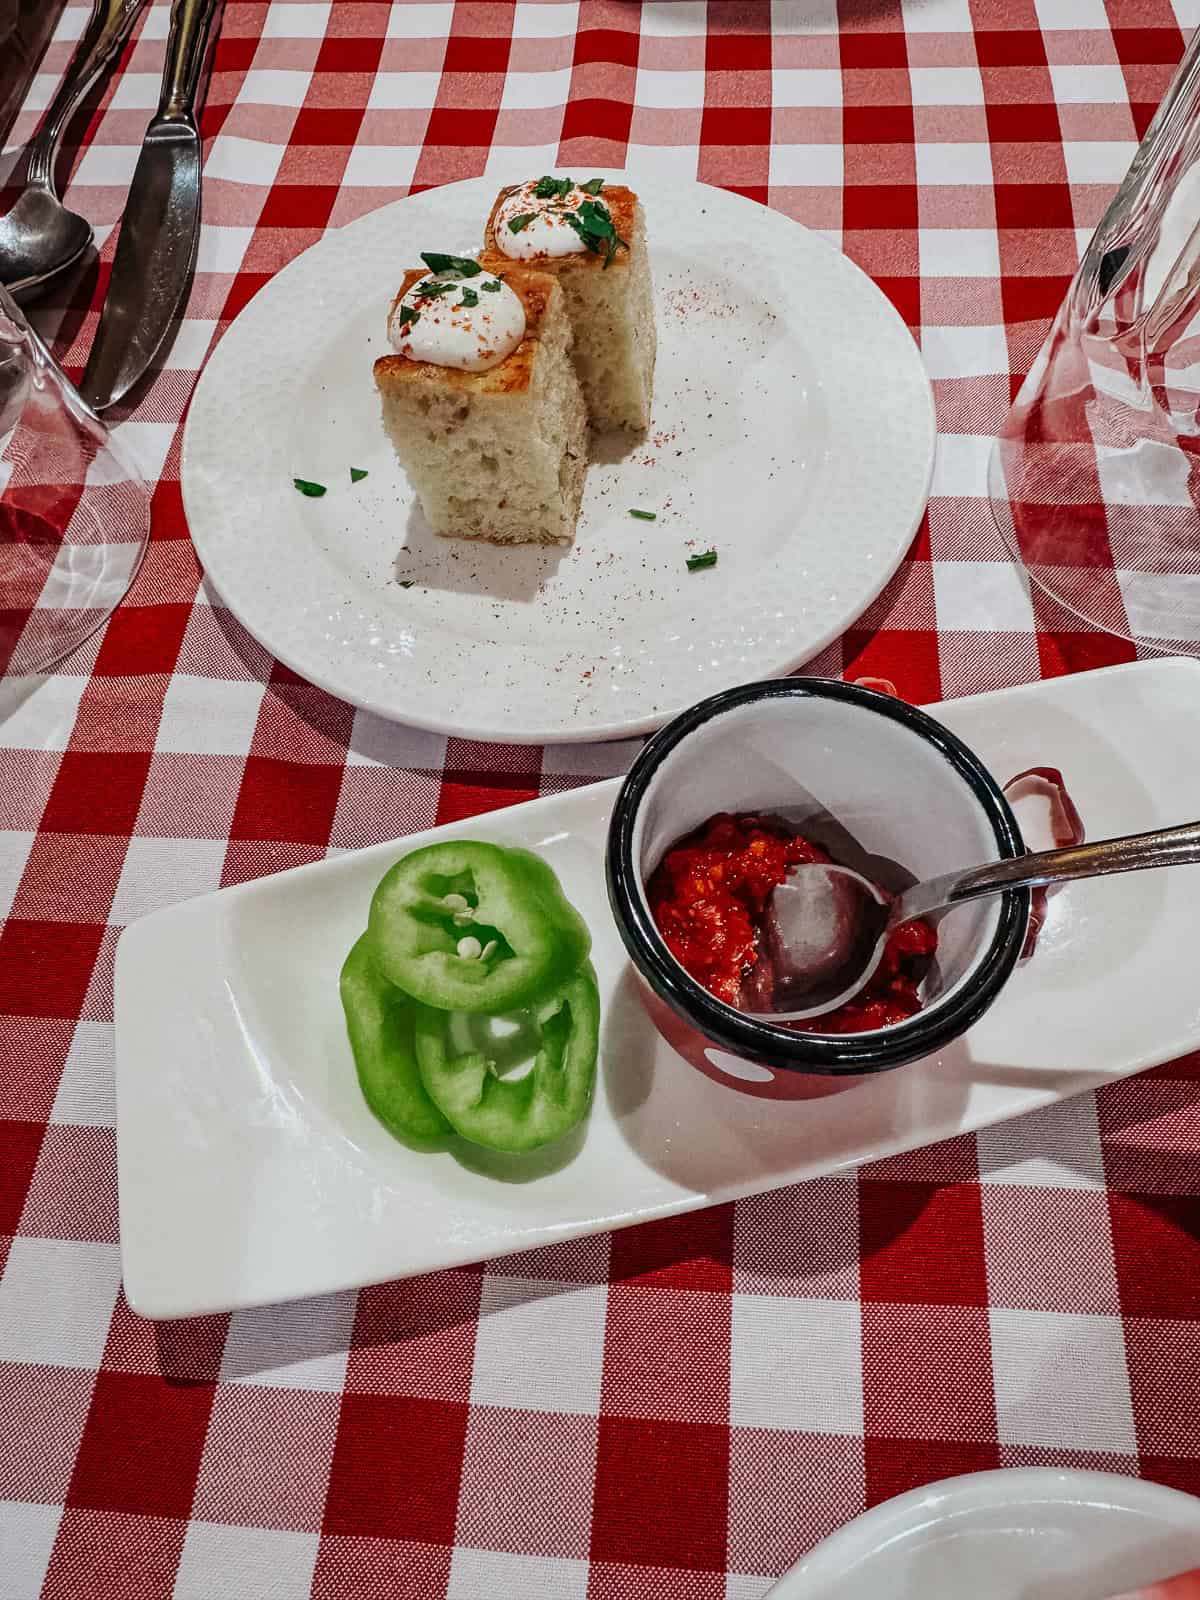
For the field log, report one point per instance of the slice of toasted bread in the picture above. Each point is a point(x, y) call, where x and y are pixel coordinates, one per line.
point(611, 309)
point(498, 455)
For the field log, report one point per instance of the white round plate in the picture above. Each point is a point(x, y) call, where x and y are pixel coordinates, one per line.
point(793, 432)
point(1023, 1534)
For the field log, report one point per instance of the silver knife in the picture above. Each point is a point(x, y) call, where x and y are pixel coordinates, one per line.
point(160, 226)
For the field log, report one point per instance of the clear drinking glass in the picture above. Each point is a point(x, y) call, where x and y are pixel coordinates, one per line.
point(1095, 479)
point(74, 509)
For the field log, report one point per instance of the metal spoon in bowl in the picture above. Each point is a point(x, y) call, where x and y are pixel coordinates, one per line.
point(39, 237)
point(827, 926)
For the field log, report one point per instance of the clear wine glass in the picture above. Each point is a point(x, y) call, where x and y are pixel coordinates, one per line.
point(1095, 479)
point(74, 509)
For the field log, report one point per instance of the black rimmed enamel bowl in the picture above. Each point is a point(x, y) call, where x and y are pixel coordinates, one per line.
point(886, 789)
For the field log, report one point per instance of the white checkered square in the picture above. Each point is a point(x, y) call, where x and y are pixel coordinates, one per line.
point(162, 872)
point(375, 742)
point(26, 1540)
point(746, 1586)
point(506, 162)
point(669, 162)
point(1099, 84)
point(971, 352)
point(206, 716)
point(806, 86)
point(413, 19)
point(686, 17)
point(222, 249)
point(669, 90)
point(87, 1095)
point(796, 1364)
point(1072, 14)
point(981, 597)
point(539, 1345)
point(272, 86)
point(403, 91)
point(220, 1560)
point(534, 91)
point(937, 16)
point(136, 91)
point(1187, 13)
point(1061, 1377)
point(801, 165)
point(946, 86)
point(14, 853)
point(298, 1346)
point(380, 166)
point(1124, 474)
point(190, 345)
point(1098, 160)
point(959, 252)
point(56, 1301)
point(939, 164)
point(285, 20)
point(961, 465)
point(804, 16)
point(1056, 1148)
point(486, 1574)
point(39, 713)
point(106, 166)
point(545, 19)
point(243, 160)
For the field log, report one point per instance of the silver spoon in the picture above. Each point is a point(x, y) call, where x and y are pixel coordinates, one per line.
point(39, 237)
point(827, 926)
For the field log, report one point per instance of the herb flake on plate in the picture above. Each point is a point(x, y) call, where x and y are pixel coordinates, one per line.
point(553, 188)
point(314, 491)
point(592, 186)
point(706, 558)
point(519, 223)
point(469, 298)
point(644, 516)
point(463, 265)
point(407, 315)
point(492, 286)
point(594, 225)
point(357, 474)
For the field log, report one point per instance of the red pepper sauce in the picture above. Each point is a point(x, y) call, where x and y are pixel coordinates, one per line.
point(709, 897)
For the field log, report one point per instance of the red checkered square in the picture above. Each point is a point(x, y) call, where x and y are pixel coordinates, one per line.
point(45, 967)
point(527, 1482)
point(922, 1243)
point(894, 1466)
point(96, 793)
point(1150, 1128)
point(141, 1446)
point(20, 1143)
point(689, 1252)
point(286, 801)
point(1156, 1242)
point(661, 1493)
point(1158, 1353)
point(73, 1191)
point(396, 1468)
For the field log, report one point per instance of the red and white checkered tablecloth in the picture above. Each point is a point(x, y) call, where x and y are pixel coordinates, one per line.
point(682, 1409)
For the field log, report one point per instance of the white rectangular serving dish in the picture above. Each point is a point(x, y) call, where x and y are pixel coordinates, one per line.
point(252, 1171)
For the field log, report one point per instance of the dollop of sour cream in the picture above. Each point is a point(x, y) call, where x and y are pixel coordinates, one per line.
point(547, 233)
point(471, 323)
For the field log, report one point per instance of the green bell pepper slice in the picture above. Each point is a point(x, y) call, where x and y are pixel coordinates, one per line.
point(468, 926)
point(458, 1067)
point(379, 1020)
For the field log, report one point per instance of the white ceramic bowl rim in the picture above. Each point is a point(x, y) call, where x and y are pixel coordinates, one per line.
point(820, 1053)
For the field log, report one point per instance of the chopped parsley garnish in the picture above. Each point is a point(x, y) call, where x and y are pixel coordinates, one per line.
point(430, 289)
point(553, 188)
point(518, 224)
point(357, 474)
point(593, 186)
point(314, 491)
point(469, 298)
point(407, 583)
point(463, 265)
point(491, 287)
point(644, 516)
point(707, 558)
point(407, 315)
point(594, 225)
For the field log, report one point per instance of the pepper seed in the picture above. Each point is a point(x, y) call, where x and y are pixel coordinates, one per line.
point(489, 950)
point(455, 902)
point(469, 948)
point(463, 919)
